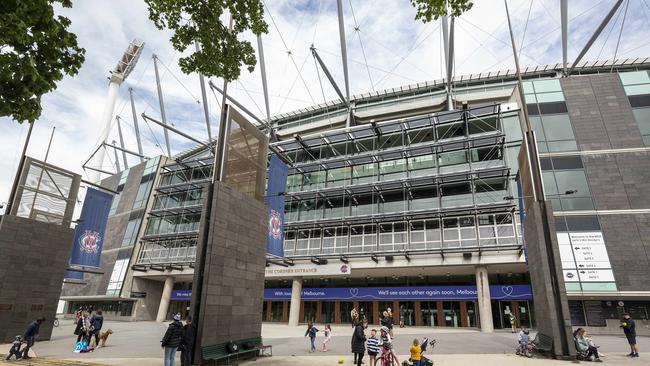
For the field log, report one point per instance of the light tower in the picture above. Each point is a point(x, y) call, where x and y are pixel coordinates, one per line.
point(124, 67)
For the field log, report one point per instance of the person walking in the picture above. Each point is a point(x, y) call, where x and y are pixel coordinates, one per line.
point(358, 343)
point(311, 332)
point(328, 335)
point(30, 335)
point(172, 339)
point(189, 333)
point(96, 324)
point(629, 329)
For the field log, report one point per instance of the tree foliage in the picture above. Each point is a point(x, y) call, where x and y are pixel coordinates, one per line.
point(222, 53)
point(36, 51)
point(428, 10)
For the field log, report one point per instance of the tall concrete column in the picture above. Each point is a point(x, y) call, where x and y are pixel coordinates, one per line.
point(484, 304)
point(165, 299)
point(294, 306)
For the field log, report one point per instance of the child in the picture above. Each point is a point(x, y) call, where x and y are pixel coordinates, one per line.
point(328, 335)
point(416, 353)
point(523, 338)
point(387, 343)
point(311, 331)
point(15, 349)
point(373, 347)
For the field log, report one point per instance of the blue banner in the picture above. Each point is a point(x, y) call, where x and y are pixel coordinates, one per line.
point(88, 239)
point(181, 295)
point(497, 292)
point(276, 187)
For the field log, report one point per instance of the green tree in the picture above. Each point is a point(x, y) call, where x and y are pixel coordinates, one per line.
point(36, 51)
point(428, 10)
point(222, 53)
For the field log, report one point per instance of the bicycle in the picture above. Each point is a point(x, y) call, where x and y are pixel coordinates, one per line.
point(387, 357)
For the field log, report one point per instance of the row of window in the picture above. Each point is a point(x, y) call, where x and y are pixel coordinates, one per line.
point(466, 193)
point(446, 233)
point(173, 224)
point(187, 198)
point(565, 183)
point(397, 139)
point(185, 175)
point(637, 84)
point(171, 251)
point(441, 163)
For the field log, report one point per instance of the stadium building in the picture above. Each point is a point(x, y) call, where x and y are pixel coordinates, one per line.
point(397, 202)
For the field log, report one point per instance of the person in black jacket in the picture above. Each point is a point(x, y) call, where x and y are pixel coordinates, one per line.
point(30, 336)
point(172, 339)
point(629, 328)
point(189, 332)
point(358, 343)
point(96, 323)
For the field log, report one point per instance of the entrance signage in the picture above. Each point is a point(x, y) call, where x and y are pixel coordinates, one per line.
point(309, 269)
point(584, 257)
point(497, 292)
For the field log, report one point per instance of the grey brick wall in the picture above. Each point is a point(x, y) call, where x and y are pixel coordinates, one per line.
point(233, 284)
point(33, 261)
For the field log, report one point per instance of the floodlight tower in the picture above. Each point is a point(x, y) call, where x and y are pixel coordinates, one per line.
point(124, 67)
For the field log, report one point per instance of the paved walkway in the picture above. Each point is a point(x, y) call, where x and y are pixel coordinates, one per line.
point(138, 344)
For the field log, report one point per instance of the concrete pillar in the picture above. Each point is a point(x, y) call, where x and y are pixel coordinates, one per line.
point(165, 299)
point(294, 305)
point(484, 304)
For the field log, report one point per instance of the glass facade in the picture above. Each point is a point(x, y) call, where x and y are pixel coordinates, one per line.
point(637, 88)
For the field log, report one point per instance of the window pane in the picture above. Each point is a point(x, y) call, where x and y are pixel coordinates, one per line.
point(572, 180)
point(569, 145)
point(557, 127)
point(550, 85)
point(536, 123)
point(512, 128)
point(642, 116)
point(634, 77)
point(550, 97)
point(637, 89)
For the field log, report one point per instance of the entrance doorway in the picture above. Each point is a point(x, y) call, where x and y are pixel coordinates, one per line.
point(451, 313)
point(345, 308)
point(365, 311)
point(429, 310)
point(309, 311)
point(327, 312)
point(521, 310)
point(407, 312)
point(276, 311)
point(178, 307)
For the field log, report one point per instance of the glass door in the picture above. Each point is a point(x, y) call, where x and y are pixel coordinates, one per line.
point(472, 314)
point(276, 311)
point(309, 311)
point(524, 314)
point(365, 311)
point(429, 310)
point(327, 312)
point(451, 313)
point(407, 313)
point(345, 308)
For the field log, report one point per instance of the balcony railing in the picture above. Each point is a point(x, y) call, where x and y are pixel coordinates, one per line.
point(174, 251)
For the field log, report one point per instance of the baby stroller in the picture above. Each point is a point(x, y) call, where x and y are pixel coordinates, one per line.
point(424, 361)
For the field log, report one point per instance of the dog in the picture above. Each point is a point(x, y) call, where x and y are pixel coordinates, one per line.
point(103, 337)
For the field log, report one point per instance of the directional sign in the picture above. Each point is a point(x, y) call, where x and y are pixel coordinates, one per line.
point(584, 258)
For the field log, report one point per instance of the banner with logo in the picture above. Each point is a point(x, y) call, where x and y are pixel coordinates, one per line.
point(88, 239)
point(276, 187)
point(497, 292)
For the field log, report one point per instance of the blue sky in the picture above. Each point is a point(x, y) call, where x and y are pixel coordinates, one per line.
point(390, 49)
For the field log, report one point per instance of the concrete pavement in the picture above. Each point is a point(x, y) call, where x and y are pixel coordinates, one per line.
point(138, 344)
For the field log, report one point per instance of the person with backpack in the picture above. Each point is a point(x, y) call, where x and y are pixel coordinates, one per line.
point(96, 324)
point(172, 339)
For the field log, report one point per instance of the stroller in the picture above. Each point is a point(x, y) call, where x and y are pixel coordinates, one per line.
point(424, 361)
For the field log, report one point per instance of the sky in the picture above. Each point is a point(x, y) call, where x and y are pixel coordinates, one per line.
point(386, 48)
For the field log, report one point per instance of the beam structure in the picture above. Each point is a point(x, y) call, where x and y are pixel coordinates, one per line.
point(119, 132)
point(594, 36)
point(162, 104)
point(344, 49)
point(450, 66)
point(239, 105)
point(117, 158)
point(135, 125)
point(564, 15)
point(328, 74)
point(166, 127)
point(260, 49)
point(127, 151)
point(204, 99)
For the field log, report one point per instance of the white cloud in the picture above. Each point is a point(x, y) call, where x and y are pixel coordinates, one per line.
point(398, 50)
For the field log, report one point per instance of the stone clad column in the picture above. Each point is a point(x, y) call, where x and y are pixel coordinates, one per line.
point(294, 305)
point(165, 299)
point(484, 304)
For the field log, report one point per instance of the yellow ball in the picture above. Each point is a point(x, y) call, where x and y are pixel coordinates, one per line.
point(624, 324)
point(341, 361)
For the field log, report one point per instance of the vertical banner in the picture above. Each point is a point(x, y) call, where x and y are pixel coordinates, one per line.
point(276, 187)
point(88, 239)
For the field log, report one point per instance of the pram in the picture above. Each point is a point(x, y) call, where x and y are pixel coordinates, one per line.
point(424, 361)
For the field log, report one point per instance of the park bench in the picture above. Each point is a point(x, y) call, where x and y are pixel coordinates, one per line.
point(543, 343)
point(219, 352)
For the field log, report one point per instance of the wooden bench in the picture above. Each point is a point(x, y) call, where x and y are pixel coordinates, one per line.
point(543, 343)
point(219, 352)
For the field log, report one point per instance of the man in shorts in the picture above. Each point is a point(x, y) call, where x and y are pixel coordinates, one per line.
point(629, 328)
